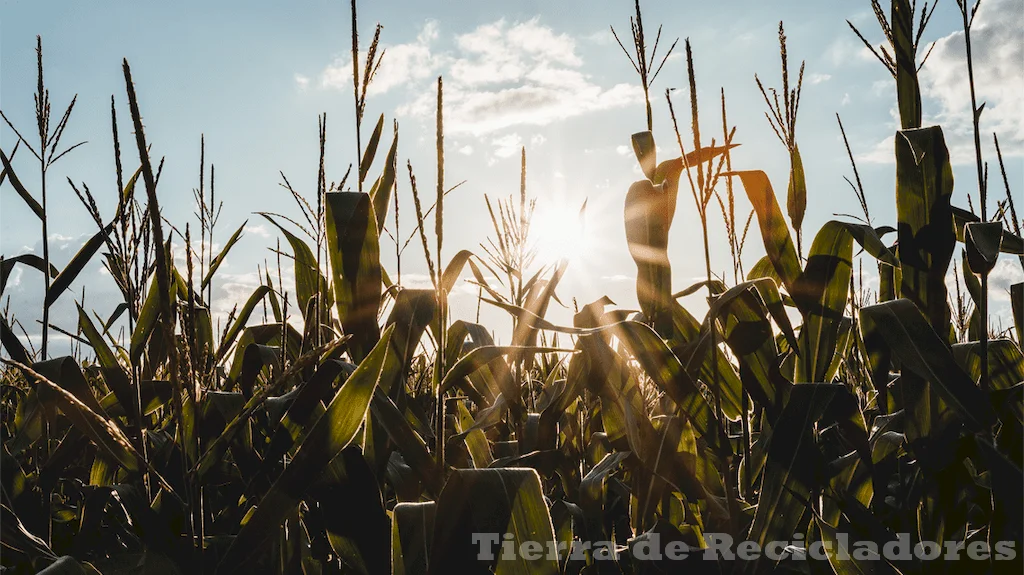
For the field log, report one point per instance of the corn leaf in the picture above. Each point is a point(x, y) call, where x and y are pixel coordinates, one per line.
point(308, 279)
point(329, 436)
point(1011, 243)
point(20, 188)
point(411, 530)
point(983, 241)
point(219, 258)
point(31, 260)
point(240, 320)
point(113, 373)
point(371, 149)
point(777, 240)
point(76, 265)
point(920, 350)
point(484, 501)
point(924, 185)
point(384, 186)
point(355, 263)
point(796, 196)
point(821, 294)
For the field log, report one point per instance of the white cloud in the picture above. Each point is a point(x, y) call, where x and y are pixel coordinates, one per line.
point(623, 150)
point(884, 152)
point(257, 230)
point(301, 81)
point(602, 37)
point(497, 76)
point(401, 63)
point(997, 49)
point(503, 75)
point(846, 48)
point(998, 52)
point(507, 145)
point(818, 78)
point(466, 150)
point(845, 100)
point(537, 139)
point(1006, 273)
point(884, 87)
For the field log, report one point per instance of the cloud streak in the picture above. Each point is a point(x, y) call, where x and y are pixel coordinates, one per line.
point(497, 76)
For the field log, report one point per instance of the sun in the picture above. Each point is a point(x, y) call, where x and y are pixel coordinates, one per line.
point(560, 231)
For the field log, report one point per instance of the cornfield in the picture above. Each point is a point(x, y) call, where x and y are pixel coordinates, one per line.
point(379, 435)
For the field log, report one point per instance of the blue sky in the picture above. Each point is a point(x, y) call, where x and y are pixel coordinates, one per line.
point(254, 76)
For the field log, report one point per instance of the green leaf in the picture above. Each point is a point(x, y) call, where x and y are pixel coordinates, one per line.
point(202, 332)
point(667, 372)
point(357, 526)
point(329, 436)
point(305, 407)
point(983, 243)
point(219, 259)
point(409, 443)
point(275, 303)
point(821, 294)
point(413, 311)
point(716, 286)
point(240, 320)
point(1005, 362)
point(841, 556)
point(384, 186)
point(308, 279)
point(924, 185)
point(486, 501)
point(18, 187)
point(748, 333)
point(371, 149)
point(31, 260)
point(267, 335)
point(454, 269)
point(355, 263)
point(649, 210)
point(1010, 244)
point(483, 355)
point(476, 442)
point(795, 467)
point(1006, 477)
point(777, 240)
point(411, 531)
point(255, 357)
point(155, 394)
point(904, 44)
point(538, 298)
point(796, 198)
point(76, 401)
point(593, 494)
point(76, 265)
point(671, 170)
point(921, 351)
point(113, 373)
point(870, 240)
point(1017, 303)
point(715, 371)
point(147, 320)
point(646, 154)
point(764, 269)
point(15, 350)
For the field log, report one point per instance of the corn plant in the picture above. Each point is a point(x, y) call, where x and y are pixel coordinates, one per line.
point(375, 433)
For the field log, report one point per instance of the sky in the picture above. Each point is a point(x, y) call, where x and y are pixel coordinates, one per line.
point(252, 78)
